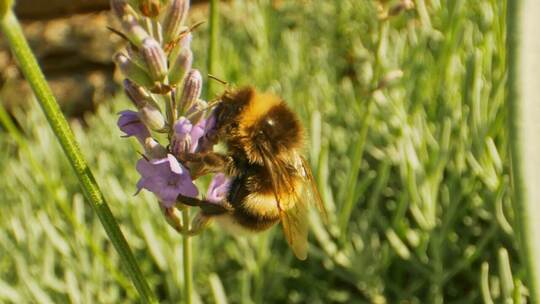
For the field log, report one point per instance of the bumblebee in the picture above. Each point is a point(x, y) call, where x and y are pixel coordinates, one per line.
point(271, 180)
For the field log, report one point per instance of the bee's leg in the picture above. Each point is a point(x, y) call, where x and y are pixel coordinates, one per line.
point(201, 164)
point(201, 220)
point(208, 208)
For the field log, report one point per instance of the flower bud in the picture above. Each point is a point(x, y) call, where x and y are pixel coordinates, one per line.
point(153, 149)
point(191, 90)
point(149, 8)
point(180, 66)
point(133, 30)
point(155, 58)
point(133, 71)
point(135, 56)
point(196, 112)
point(136, 93)
point(152, 117)
point(183, 40)
point(175, 15)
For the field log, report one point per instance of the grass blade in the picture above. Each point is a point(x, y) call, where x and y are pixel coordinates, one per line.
point(523, 103)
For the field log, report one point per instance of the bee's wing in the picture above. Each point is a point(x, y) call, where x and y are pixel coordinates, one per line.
point(293, 194)
point(310, 188)
point(295, 227)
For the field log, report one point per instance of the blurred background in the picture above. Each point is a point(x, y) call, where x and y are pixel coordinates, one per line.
point(404, 106)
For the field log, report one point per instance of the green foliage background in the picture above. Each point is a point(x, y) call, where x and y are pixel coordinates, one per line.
point(413, 169)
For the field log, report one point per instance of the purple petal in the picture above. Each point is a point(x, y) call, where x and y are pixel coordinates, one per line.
point(166, 178)
point(174, 165)
point(140, 185)
point(189, 189)
point(182, 126)
point(130, 123)
point(181, 140)
point(152, 168)
point(197, 133)
point(218, 188)
point(207, 141)
point(168, 196)
point(210, 122)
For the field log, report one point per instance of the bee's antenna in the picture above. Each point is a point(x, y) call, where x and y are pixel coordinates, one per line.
point(196, 25)
point(223, 82)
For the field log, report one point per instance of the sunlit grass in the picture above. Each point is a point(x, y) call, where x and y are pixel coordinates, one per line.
point(413, 170)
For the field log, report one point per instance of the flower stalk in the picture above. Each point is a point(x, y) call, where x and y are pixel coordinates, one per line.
point(166, 91)
point(28, 64)
point(187, 251)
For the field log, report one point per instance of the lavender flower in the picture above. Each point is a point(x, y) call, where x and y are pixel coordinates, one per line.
point(209, 138)
point(186, 136)
point(130, 123)
point(165, 89)
point(218, 188)
point(166, 178)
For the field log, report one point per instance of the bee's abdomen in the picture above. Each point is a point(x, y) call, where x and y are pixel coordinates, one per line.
point(254, 208)
point(253, 220)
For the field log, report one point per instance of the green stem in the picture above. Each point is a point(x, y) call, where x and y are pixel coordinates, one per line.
point(30, 68)
point(212, 46)
point(188, 271)
point(523, 103)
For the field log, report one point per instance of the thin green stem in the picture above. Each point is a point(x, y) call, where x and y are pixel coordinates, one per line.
point(188, 269)
point(30, 68)
point(212, 46)
point(352, 177)
point(523, 106)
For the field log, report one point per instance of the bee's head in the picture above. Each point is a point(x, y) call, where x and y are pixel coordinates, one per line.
point(258, 124)
point(231, 106)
